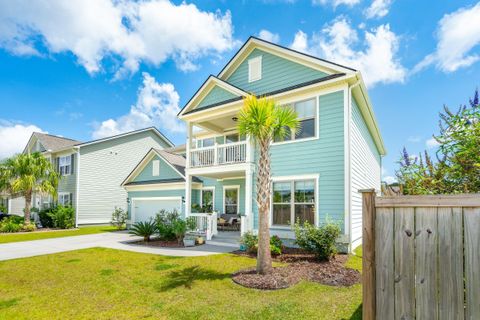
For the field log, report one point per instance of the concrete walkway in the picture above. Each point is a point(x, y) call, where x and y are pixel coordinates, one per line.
point(113, 240)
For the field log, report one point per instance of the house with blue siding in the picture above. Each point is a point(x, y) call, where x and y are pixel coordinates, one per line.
point(316, 171)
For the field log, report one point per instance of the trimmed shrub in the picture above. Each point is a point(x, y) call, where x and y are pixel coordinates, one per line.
point(166, 224)
point(63, 217)
point(45, 218)
point(119, 217)
point(11, 224)
point(29, 227)
point(250, 241)
point(317, 240)
point(144, 229)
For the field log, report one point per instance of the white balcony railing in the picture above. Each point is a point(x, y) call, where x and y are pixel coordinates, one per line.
point(219, 155)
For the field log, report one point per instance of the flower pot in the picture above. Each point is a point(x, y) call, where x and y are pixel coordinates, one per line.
point(199, 240)
point(243, 247)
point(189, 242)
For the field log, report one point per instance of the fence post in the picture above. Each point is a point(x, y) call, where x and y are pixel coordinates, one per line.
point(368, 260)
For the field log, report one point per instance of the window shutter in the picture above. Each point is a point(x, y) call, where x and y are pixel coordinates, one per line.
point(255, 69)
point(57, 161)
point(155, 168)
point(72, 161)
point(71, 199)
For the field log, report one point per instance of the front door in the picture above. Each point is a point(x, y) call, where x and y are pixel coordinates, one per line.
point(231, 200)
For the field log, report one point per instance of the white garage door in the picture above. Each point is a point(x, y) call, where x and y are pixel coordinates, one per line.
point(146, 208)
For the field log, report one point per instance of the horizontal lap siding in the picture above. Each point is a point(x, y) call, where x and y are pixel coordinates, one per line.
point(103, 167)
point(16, 206)
point(219, 191)
point(68, 184)
point(166, 172)
point(277, 73)
point(324, 156)
point(215, 95)
point(365, 168)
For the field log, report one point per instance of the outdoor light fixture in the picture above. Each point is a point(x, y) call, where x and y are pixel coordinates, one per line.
point(235, 119)
point(128, 200)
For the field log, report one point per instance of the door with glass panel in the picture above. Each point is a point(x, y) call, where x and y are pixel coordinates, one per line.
point(231, 200)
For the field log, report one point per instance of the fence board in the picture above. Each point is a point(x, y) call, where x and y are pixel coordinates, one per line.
point(404, 268)
point(426, 255)
point(384, 263)
point(450, 262)
point(471, 218)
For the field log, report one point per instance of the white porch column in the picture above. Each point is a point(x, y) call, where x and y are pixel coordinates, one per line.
point(250, 150)
point(188, 194)
point(189, 144)
point(248, 225)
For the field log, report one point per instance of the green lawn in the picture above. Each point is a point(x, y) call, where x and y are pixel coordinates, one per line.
point(37, 235)
point(111, 284)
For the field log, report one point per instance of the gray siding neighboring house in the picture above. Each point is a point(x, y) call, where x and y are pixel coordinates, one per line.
point(97, 168)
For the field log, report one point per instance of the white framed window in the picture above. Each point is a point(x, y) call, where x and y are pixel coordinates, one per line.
point(207, 142)
point(207, 199)
point(65, 165)
point(155, 168)
point(65, 198)
point(292, 201)
point(255, 69)
point(307, 116)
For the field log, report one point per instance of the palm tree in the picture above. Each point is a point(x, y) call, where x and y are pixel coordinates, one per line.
point(26, 174)
point(265, 121)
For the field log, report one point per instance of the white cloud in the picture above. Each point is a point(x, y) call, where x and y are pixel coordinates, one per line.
point(375, 55)
point(432, 143)
point(378, 9)
point(389, 179)
point(458, 34)
point(300, 42)
point(130, 33)
point(14, 137)
point(414, 139)
point(336, 3)
point(157, 105)
point(269, 36)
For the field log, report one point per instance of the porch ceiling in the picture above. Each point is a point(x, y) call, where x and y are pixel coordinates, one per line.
point(219, 125)
point(223, 175)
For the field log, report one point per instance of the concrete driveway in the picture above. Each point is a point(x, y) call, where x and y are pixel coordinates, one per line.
point(114, 240)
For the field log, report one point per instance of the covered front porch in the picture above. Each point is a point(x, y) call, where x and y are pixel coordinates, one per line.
point(223, 205)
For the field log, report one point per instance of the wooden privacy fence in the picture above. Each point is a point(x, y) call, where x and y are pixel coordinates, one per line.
point(421, 257)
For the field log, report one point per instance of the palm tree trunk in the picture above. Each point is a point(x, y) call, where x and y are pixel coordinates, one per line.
point(264, 258)
point(28, 204)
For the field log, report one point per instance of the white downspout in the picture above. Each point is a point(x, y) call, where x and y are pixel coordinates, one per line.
point(77, 189)
point(349, 162)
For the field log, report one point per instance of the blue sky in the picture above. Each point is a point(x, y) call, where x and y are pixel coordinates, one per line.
point(98, 68)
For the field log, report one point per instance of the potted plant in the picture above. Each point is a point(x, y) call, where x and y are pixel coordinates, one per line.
point(189, 240)
point(199, 240)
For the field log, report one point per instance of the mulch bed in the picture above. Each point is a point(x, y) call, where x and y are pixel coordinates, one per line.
point(159, 243)
point(300, 266)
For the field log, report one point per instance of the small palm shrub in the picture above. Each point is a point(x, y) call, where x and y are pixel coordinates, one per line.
point(144, 229)
point(11, 224)
point(250, 241)
point(317, 240)
point(45, 218)
point(63, 217)
point(119, 217)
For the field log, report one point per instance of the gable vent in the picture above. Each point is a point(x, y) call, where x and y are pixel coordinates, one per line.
point(255, 69)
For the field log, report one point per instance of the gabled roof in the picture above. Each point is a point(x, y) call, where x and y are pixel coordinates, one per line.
point(52, 143)
point(206, 87)
point(254, 42)
point(177, 162)
point(155, 130)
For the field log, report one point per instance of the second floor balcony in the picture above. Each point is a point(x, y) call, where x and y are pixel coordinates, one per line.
point(219, 154)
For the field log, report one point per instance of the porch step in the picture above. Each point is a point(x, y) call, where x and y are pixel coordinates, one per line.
point(227, 237)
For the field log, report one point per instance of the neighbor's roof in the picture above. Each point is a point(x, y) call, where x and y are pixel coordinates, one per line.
point(53, 143)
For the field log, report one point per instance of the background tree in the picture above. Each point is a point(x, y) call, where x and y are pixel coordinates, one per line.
point(26, 174)
point(265, 121)
point(457, 167)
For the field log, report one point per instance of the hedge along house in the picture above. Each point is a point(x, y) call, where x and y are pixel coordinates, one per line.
point(91, 172)
point(316, 172)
